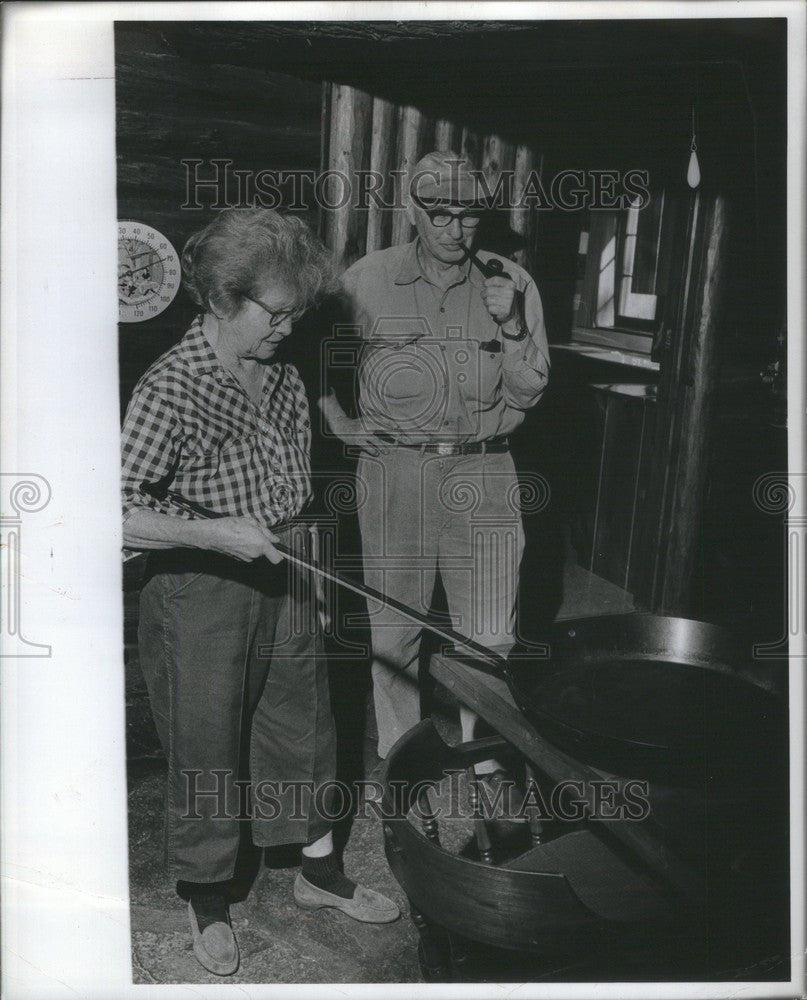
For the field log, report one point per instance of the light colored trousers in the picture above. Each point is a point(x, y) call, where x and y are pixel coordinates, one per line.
point(420, 512)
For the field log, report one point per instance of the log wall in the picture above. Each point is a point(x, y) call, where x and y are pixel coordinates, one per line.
point(372, 133)
point(172, 107)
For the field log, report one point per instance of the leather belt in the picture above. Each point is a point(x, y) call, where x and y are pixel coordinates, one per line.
point(498, 444)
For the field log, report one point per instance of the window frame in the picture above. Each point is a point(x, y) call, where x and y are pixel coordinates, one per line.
point(627, 333)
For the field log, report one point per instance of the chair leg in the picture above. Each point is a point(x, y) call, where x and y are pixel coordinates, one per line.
point(428, 818)
point(458, 957)
point(483, 842)
point(533, 820)
point(431, 954)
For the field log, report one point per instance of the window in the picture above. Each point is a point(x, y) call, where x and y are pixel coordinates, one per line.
point(623, 265)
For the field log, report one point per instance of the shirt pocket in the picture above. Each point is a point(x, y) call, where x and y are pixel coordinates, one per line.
point(484, 376)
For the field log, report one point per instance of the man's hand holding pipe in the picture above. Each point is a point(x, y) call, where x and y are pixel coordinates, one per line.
point(499, 296)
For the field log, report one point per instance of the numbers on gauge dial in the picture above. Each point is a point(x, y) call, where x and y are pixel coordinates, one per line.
point(148, 272)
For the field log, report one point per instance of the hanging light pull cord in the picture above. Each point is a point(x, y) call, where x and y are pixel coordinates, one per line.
point(693, 170)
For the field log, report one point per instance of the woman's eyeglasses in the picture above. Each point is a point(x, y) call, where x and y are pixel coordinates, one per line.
point(278, 316)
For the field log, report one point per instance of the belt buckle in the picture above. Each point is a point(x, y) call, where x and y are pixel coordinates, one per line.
point(445, 448)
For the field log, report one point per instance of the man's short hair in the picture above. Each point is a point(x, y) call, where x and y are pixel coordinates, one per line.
point(443, 178)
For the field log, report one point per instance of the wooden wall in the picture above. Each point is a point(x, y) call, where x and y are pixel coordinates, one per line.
point(170, 107)
point(372, 133)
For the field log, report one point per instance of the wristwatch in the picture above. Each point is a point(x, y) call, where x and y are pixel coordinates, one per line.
point(522, 332)
point(521, 323)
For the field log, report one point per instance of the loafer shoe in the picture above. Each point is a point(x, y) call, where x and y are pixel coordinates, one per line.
point(366, 905)
point(215, 947)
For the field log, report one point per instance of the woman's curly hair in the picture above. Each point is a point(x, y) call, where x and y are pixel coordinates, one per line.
point(245, 249)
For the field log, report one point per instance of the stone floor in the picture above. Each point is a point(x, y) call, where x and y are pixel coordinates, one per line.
point(279, 942)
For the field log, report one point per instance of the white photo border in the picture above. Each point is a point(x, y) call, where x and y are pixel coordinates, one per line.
point(65, 895)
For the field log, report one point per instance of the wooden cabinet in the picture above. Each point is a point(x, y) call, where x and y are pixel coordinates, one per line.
point(641, 509)
point(614, 518)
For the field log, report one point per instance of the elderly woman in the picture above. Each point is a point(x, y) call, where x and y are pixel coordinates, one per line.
point(229, 642)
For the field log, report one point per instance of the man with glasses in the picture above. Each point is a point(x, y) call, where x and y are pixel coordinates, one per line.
point(454, 355)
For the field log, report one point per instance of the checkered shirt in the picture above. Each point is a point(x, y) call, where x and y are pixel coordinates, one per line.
point(191, 428)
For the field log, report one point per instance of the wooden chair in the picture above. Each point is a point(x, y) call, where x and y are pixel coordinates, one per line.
point(565, 896)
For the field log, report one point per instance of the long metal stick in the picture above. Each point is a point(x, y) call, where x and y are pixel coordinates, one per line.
point(444, 632)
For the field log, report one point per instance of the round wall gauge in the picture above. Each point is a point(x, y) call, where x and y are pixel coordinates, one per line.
point(148, 272)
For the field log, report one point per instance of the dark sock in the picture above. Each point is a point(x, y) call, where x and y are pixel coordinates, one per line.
point(208, 900)
point(324, 874)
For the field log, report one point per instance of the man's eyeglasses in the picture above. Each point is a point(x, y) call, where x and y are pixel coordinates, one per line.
point(278, 317)
point(441, 217)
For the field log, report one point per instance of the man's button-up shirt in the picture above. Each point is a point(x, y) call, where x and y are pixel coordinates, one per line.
point(190, 428)
point(433, 366)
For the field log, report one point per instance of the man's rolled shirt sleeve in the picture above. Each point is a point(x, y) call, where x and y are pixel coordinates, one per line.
point(150, 449)
point(525, 373)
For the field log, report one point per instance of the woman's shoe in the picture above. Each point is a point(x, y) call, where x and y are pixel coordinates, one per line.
point(214, 945)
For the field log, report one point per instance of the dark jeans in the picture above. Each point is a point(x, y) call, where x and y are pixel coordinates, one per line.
point(233, 658)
